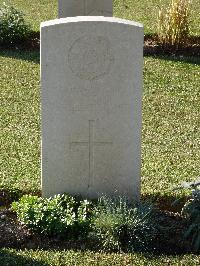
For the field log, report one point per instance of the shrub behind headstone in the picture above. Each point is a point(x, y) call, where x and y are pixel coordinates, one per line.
point(13, 28)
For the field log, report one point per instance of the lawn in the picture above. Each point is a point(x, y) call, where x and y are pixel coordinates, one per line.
point(80, 258)
point(170, 136)
point(142, 11)
point(170, 152)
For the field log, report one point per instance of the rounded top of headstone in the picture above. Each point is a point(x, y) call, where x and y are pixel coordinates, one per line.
point(90, 19)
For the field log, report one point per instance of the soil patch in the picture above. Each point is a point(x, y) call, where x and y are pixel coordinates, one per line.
point(151, 46)
point(15, 235)
point(7, 196)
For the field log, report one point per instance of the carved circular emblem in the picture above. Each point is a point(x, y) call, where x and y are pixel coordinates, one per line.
point(90, 57)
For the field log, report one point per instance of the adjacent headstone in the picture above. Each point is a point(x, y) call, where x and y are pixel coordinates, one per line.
point(91, 78)
point(72, 8)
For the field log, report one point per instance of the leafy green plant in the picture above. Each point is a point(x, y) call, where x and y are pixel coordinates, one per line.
point(120, 226)
point(60, 215)
point(191, 211)
point(173, 23)
point(13, 28)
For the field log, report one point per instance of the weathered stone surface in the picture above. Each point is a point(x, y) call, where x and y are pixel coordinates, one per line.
point(72, 8)
point(91, 79)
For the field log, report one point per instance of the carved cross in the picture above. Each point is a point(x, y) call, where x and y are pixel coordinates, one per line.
point(91, 144)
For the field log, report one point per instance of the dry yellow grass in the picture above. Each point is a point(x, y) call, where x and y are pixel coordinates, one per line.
point(173, 23)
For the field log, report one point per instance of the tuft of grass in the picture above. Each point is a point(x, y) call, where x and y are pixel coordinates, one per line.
point(173, 23)
point(119, 226)
point(146, 12)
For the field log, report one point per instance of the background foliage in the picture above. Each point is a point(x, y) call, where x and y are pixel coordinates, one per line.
point(142, 11)
point(13, 28)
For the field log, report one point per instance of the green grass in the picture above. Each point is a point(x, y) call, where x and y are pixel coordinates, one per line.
point(171, 132)
point(20, 125)
point(67, 258)
point(146, 12)
point(143, 11)
point(170, 139)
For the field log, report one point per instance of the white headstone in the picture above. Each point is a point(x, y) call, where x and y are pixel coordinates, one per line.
point(72, 8)
point(91, 79)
